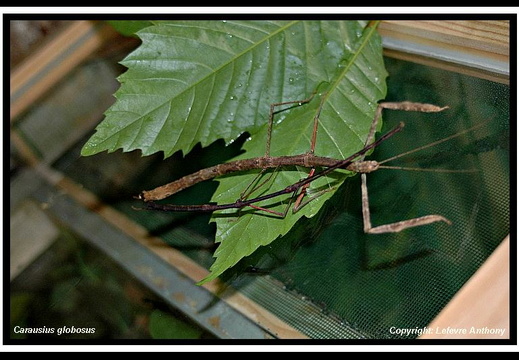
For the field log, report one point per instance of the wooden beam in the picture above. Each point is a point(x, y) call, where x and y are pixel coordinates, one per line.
point(43, 69)
point(175, 258)
point(481, 308)
point(476, 48)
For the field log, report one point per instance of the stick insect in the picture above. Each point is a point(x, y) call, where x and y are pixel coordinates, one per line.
point(355, 163)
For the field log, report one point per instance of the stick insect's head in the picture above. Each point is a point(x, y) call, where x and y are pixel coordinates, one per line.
point(363, 167)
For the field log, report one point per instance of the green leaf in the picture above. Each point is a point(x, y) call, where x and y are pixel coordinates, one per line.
point(198, 81)
point(349, 102)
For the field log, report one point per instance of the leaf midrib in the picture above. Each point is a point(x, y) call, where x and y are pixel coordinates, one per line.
point(351, 61)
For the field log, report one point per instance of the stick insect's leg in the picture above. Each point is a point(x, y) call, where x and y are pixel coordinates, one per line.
point(277, 213)
point(247, 192)
point(271, 118)
point(299, 203)
point(366, 216)
point(404, 106)
point(251, 189)
point(393, 227)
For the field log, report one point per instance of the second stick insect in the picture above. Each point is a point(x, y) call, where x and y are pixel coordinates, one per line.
point(300, 198)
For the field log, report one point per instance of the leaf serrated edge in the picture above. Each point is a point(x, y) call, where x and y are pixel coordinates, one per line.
point(89, 149)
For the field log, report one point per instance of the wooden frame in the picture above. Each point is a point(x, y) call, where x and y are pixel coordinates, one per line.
point(483, 40)
point(481, 306)
point(472, 47)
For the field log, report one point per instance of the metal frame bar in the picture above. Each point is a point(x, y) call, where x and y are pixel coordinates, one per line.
point(178, 290)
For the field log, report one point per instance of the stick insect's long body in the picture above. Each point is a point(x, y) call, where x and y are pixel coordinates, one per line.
point(307, 160)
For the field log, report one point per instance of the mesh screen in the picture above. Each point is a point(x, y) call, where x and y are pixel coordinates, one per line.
point(326, 277)
point(376, 282)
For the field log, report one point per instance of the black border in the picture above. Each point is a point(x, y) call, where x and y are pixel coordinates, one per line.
point(298, 16)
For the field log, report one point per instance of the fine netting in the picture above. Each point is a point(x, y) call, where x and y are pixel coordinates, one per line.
point(378, 283)
point(326, 277)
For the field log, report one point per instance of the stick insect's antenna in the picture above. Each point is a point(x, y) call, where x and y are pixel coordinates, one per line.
point(430, 145)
